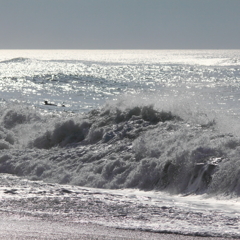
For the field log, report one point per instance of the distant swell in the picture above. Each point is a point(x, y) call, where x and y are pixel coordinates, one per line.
point(15, 60)
point(137, 147)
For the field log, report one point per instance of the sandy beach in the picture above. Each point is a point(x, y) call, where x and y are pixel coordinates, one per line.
point(17, 227)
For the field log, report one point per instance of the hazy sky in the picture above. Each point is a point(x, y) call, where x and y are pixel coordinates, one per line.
point(120, 24)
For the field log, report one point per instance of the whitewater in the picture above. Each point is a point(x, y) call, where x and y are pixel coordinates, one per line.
point(131, 139)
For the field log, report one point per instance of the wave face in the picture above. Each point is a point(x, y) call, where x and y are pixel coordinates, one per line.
point(120, 147)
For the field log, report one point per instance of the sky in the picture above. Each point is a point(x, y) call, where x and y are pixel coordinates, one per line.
point(119, 24)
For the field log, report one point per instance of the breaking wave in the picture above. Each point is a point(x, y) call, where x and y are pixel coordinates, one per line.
point(120, 147)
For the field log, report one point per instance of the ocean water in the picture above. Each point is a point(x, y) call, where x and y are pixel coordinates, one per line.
point(149, 138)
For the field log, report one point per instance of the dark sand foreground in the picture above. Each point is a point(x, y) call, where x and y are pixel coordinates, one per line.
point(16, 227)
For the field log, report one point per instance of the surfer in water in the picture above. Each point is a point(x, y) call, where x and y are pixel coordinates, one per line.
point(51, 104)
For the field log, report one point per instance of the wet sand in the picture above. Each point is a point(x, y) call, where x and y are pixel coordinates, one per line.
point(16, 227)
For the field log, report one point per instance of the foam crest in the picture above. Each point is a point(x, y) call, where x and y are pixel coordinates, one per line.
point(6, 135)
point(15, 115)
point(64, 133)
point(123, 145)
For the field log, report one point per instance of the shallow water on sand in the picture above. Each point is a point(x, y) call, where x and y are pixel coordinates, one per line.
point(123, 209)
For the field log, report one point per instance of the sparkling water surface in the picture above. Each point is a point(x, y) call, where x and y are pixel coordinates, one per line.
point(84, 79)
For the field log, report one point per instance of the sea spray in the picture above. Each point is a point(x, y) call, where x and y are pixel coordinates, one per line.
point(120, 147)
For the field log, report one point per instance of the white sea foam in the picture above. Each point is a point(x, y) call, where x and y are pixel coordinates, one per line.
point(121, 147)
point(125, 209)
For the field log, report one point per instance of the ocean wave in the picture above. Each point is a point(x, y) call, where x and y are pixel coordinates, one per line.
point(96, 126)
point(16, 60)
point(120, 147)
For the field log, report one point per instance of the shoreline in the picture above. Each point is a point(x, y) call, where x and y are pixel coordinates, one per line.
point(15, 226)
point(38, 210)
